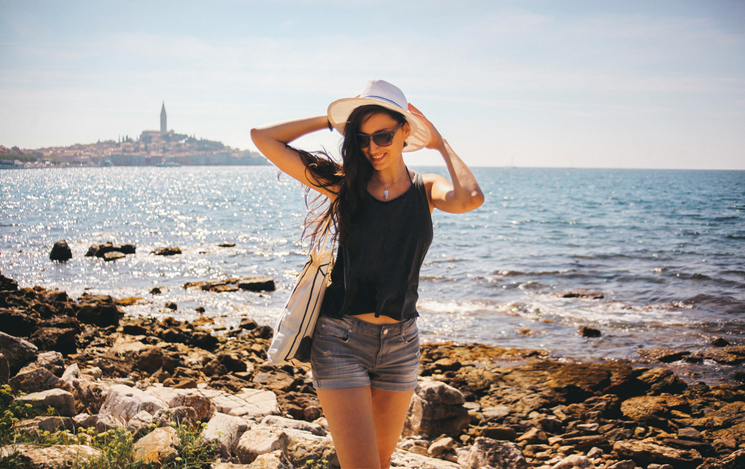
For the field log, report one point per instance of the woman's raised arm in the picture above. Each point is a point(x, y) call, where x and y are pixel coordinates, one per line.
point(464, 193)
point(272, 140)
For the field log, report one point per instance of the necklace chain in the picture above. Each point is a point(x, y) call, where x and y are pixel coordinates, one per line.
point(385, 189)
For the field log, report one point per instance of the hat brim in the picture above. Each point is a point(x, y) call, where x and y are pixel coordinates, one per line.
point(340, 110)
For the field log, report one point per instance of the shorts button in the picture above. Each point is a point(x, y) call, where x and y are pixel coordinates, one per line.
point(385, 331)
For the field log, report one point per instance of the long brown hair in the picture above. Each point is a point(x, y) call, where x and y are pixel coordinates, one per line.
point(350, 178)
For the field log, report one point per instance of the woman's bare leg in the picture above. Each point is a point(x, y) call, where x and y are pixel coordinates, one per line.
point(349, 412)
point(389, 413)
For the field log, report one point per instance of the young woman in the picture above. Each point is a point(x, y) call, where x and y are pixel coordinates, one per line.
point(365, 353)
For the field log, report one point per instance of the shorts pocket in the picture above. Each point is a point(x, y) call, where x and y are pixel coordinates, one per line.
point(410, 336)
point(328, 330)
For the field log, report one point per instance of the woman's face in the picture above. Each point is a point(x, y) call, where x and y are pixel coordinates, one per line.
point(383, 157)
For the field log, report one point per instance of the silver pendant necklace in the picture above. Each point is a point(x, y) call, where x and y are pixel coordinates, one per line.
point(385, 189)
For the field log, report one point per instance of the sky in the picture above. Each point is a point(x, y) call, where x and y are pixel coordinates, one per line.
point(534, 83)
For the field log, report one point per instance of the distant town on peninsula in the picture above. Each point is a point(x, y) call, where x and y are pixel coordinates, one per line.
point(152, 148)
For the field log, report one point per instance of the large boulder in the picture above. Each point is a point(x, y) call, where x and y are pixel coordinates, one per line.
point(260, 439)
point(303, 446)
point(161, 446)
point(61, 251)
point(17, 351)
point(226, 430)
point(436, 408)
point(34, 378)
point(60, 400)
point(123, 403)
point(91, 394)
point(52, 338)
point(99, 310)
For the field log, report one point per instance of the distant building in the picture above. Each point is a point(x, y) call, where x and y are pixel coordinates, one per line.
point(163, 120)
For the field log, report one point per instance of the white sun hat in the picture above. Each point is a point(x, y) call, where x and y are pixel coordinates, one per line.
point(381, 93)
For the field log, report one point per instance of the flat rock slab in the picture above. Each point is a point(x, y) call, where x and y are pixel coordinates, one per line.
point(402, 458)
point(247, 403)
point(52, 456)
point(62, 401)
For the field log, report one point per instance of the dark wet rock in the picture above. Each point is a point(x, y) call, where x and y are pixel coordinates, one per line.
point(156, 291)
point(257, 283)
point(200, 309)
point(720, 342)
point(727, 355)
point(16, 323)
point(226, 244)
point(171, 305)
point(8, 284)
point(661, 380)
point(100, 310)
point(52, 338)
point(248, 324)
point(583, 294)
point(662, 354)
point(166, 251)
point(100, 250)
point(60, 251)
point(232, 362)
point(587, 331)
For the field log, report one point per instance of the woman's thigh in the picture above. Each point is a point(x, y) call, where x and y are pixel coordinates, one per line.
point(349, 413)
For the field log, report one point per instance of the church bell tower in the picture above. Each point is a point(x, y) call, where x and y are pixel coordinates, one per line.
point(163, 121)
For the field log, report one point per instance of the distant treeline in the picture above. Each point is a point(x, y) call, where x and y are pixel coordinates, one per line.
point(17, 156)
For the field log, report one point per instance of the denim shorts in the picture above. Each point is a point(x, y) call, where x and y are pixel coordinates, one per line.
point(351, 352)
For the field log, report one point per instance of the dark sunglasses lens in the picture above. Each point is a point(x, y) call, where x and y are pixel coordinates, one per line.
point(364, 141)
point(383, 139)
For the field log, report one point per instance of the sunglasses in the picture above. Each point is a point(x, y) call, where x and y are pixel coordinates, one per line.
point(381, 139)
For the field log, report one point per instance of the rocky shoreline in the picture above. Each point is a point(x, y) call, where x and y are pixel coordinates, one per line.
point(476, 406)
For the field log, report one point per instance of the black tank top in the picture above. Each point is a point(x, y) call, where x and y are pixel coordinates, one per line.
point(377, 266)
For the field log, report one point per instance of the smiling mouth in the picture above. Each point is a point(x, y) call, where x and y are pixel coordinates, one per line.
point(377, 157)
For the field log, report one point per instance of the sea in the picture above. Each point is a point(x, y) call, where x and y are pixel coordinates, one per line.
point(650, 258)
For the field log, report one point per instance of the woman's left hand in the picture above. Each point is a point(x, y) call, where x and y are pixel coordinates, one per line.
point(436, 141)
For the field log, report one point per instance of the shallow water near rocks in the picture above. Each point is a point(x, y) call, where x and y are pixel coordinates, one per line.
point(666, 249)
